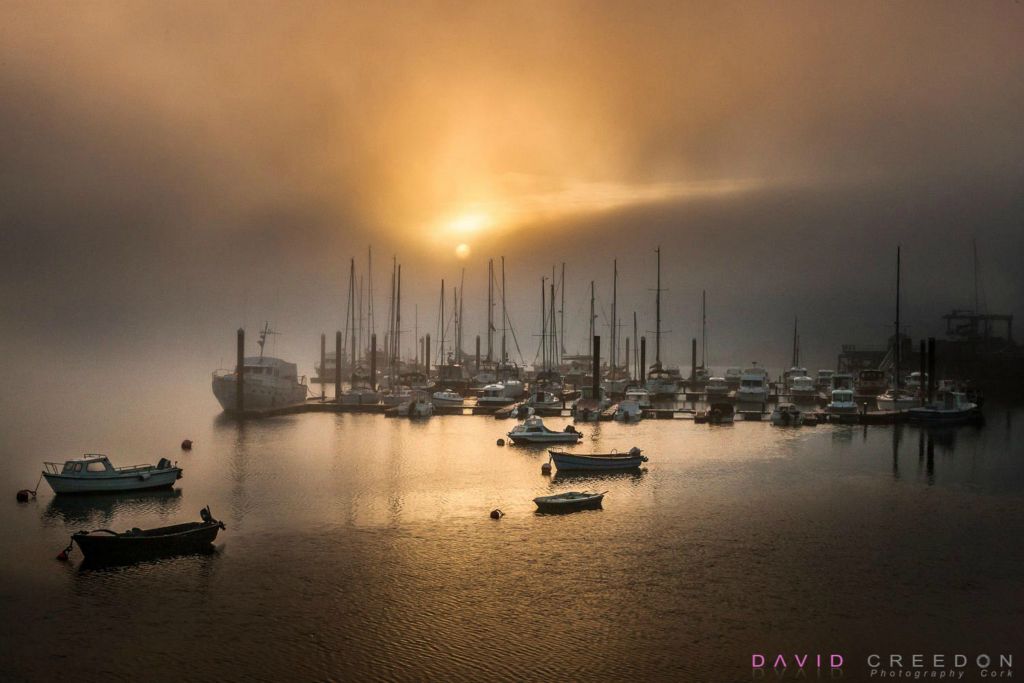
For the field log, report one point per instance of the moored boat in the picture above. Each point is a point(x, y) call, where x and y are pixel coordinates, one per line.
point(598, 462)
point(787, 415)
point(104, 545)
point(266, 382)
point(447, 398)
point(951, 407)
point(842, 408)
point(569, 501)
point(93, 473)
point(533, 430)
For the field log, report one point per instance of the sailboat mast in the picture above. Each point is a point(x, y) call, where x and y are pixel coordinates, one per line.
point(703, 327)
point(352, 309)
point(613, 352)
point(590, 337)
point(462, 300)
point(796, 359)
point(442, 323)
point(657, 313)
point(633, 360)
point(561, 313)
point(553, 343)
point(896, 382)
point(398, 319)
point(490, 310)
point(504, 314)
point(543, 325)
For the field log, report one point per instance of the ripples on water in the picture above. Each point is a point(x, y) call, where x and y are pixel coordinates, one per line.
point(360, 547)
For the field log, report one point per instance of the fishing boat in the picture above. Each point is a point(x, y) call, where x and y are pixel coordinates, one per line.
point(716, 387)
point(870, 383)
point(494, 395)
point(950, 407)
point(416, 408)
point(894, 399)
point(543, 399)
point(802, 388)
point(93, 473)
point(718, 413)
point(447, 398)
point(842, 408)
point(569, 501)
point(753, 386)
point(628, 410)
point(787, 415)
point(824, 380)
point(533, 430)
point(598, 462)
point(267, 382)
point(104, 545)
point(732, 378)
point(642, 398)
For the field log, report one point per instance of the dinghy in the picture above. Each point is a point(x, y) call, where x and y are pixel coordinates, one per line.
point(569, 501)
point(106, 546)
point(598, 462)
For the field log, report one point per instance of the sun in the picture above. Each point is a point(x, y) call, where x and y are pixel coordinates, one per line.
point(462, 251)
point(469, 223)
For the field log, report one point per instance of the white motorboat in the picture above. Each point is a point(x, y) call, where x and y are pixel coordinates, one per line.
point(588, 407)
point(732, 378)
point(663, 382)
point(514, 389)
point(896, 400)
point(753, 386)
point(363, 397)
point(642, 398)
point(717, 387)
point(629, 410)
point(789, 375)
point(916, 382)
point(787, 415)
point(447, 398)
point(824, 381)
point(569, 502)
point(93, 473)
point(494, 395)
point(416, 408)
point(266, 382)
point(543, 399)
point(802, 388)
point(950, 407)
point(870, 383)
point(398, 395)
point(533, 430)
point(842, 408)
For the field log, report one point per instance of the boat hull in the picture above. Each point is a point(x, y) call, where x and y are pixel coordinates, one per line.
point(555, 505)
point(569, 462)
point(182, 539)
point(556, 437)
point(63, 484)
point(256, 396)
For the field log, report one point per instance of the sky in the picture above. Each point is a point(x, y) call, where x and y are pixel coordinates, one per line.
point(171, 171)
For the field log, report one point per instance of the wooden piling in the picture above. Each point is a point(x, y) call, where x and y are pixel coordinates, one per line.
point(478, 353)
point(643, 358)
point(596, 386)
point(931, 369)
point(323, 365)
point(693, 360)
point(924, 369)
point(240, 372)
point(337, 366)
point(373, 362)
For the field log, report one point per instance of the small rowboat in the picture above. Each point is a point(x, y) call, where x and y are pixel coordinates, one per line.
point(600, 462)
point(105, 546)
point(569, 501)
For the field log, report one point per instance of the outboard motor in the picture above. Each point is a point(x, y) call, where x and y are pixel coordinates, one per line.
point(163, 464)
point(634, 451)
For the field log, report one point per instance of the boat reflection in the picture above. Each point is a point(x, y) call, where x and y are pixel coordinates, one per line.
point(633, 477)
point(99, 510)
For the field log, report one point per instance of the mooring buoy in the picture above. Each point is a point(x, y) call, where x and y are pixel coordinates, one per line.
point(496, 514)
point(23, 495)
point(501, 442)
point(186, 445)
point(545, 468)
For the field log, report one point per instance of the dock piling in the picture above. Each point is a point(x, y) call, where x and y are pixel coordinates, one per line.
point(931, 369)
point(240, 371)
point(643, 357)
point(478, 353)
point(323, 365)
point(596, 385)
point(373, 362)
point(337, 366)
point(693, 361)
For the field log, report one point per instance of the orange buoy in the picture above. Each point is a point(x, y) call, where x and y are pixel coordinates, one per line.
point(545, 468)
point(496, 514)
point(23, 495)
point(501, 442)
point(186, 445)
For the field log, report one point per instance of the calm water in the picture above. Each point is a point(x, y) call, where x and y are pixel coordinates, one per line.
point(360, 547)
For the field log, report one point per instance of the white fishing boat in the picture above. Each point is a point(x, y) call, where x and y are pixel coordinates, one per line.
point(533, 430)
point(896, 400)
point(787, 415)
point(733, 377)
point(543, 399)
point(663, 382)
point(949, 408)
point(629, 410)
point(447, 398)
point(514, 389)
point(717, 387)
point(802, 388)
point(753, 386)
point(398, 395)
point(266, 382)
point(418, 407)
point(824, 381)
point(842, 407)
point(494, 395)
point(642, 398)
point(598, 462)
point(93, 473)
point(789, 375)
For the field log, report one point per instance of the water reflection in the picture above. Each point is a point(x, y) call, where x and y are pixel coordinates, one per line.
point(634, 478)
point(99, 510)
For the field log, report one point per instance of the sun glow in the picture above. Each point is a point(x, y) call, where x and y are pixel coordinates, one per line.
point(469, 223)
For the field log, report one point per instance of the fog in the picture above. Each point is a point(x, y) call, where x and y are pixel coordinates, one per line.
point(171, 171)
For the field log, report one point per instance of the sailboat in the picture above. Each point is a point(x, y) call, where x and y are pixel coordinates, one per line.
point(616, 379)
point(661, 382)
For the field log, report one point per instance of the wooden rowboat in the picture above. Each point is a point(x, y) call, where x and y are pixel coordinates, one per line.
point(106, 546)
point(598, 462)
point(570, 501)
